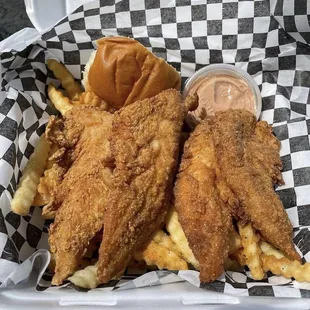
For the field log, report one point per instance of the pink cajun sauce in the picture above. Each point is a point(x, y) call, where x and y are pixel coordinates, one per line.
point(221, 92)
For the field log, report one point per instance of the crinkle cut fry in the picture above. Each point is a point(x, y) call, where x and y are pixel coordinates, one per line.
point(251, 250)
point(275, 261)
point(63, 104)
point(66, 79)
point(160, 256)
point(286, 268)
point(27, 187)
point(59, 100)
point(177, 234)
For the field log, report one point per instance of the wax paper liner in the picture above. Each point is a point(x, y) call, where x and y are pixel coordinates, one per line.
point(189, 35)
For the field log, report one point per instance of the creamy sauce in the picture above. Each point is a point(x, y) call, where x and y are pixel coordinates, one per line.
point(221, 92)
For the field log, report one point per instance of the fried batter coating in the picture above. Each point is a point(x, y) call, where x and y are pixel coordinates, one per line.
point(229, 166)
point(145, 142)
point(248, 158)
point(82, 196)
point(203, 215)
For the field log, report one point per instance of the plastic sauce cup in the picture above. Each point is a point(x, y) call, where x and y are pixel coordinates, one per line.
point(220, 87)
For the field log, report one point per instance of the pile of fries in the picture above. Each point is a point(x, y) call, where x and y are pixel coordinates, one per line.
point(169, 248)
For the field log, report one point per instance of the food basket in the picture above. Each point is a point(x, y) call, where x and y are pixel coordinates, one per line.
point(188, 35)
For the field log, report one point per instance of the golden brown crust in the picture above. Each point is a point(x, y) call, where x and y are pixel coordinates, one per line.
point(80, 198)
point(248, 157)
point(202, 214)
point(144, 142)
point(229, 166)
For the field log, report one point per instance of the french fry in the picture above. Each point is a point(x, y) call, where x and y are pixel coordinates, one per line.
point(276, 262)
point(90, 99)
point(236, 257)
point(178, 237)
point(163, 258)
point(153, 254)
point(86, 278)
point(66, 79)
point(251, 250)
point(268, 249)
point(161, 238)
point(286, 268)
point(234, 242)
point(27, 187)
point(61, 102)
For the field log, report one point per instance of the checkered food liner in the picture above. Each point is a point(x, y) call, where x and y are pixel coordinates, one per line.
point(189, 35)
point(294, 17)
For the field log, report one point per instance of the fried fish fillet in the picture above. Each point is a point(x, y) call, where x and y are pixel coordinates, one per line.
point(204, 217)
point(228, 169)
point(248, 158)
point(145, 141)
point(82, 196)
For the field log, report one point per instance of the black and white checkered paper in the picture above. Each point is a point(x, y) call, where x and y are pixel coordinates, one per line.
point(189, 35)
point(294, 17)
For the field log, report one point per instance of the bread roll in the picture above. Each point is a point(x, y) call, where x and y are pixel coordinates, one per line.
point(123, 71)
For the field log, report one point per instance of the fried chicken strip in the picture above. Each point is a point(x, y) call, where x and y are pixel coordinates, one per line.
point(82, 196)
point(248, 157)
point(145, 142)
point(204, 217)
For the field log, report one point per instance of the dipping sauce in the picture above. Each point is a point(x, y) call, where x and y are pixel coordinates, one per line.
point(218, 92)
